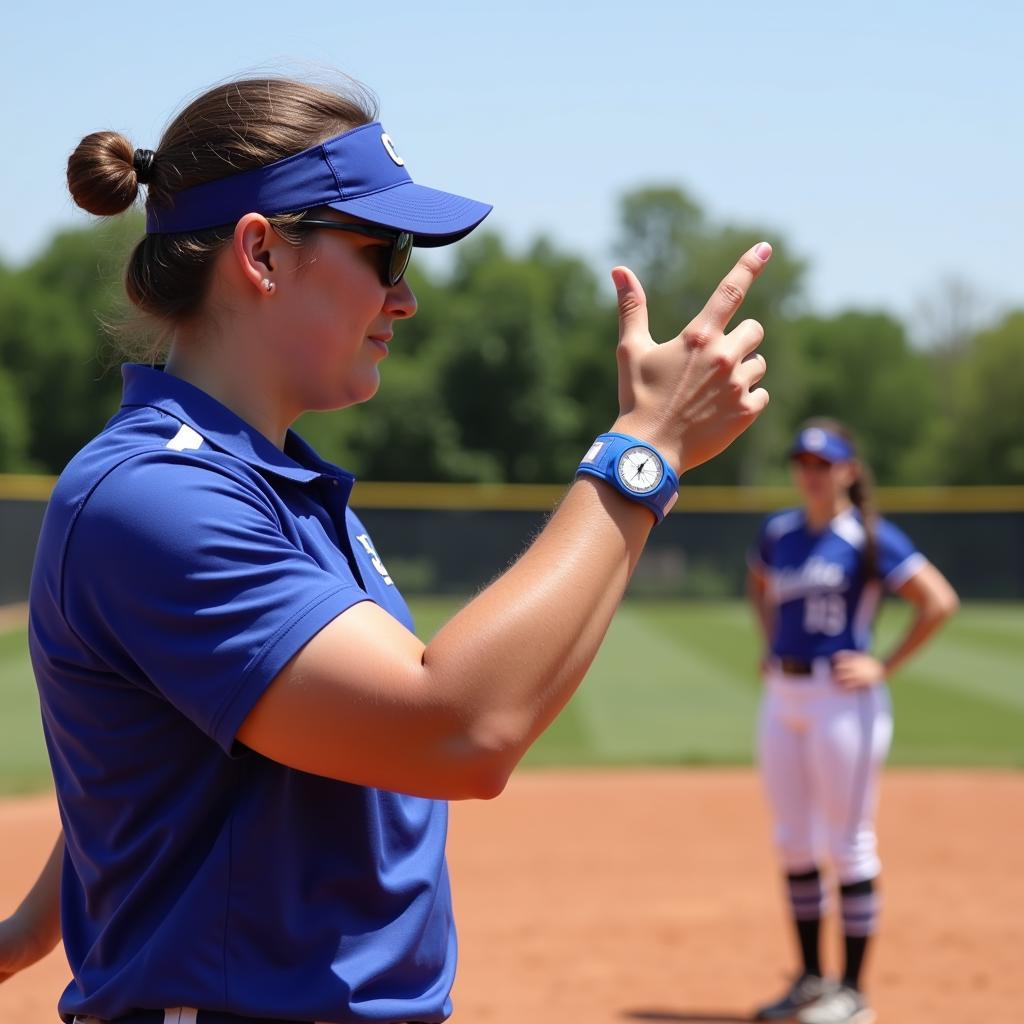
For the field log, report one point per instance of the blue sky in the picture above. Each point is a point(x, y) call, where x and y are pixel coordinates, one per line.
point(883, 141)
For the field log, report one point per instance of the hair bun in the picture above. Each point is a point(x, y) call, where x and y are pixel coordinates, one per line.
point(102, 174)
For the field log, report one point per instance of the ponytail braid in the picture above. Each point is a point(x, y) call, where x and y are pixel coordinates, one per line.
point(862, 494)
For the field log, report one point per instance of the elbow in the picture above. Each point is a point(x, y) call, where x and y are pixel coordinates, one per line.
point(946, 605)
point(490, 752)
point(935, 613)
point(488, 782)
point(482, 776)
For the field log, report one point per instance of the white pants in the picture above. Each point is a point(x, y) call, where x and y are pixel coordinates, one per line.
point(820, 750)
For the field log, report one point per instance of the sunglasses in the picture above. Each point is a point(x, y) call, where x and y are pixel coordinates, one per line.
point(398, 255)
point(811, 462)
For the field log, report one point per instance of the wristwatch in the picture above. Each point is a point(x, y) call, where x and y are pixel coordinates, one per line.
point(634, 469)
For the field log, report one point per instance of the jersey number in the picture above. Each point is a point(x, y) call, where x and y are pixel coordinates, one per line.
point(824, 613)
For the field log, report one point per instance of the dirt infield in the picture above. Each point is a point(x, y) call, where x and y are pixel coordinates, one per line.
point(650, 896)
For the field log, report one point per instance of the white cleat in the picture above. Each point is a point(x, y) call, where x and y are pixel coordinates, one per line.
point(805, 991)
point(843, 1005)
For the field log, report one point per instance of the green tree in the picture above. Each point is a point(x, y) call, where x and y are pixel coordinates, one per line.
point(502, 368)
point(13, 426)
point(983, 442)
point(48, 352)
point(861, 368)
point(53, 344)
point(585, 322)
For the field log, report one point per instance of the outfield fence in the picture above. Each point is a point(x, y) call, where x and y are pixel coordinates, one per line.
point(453, 538)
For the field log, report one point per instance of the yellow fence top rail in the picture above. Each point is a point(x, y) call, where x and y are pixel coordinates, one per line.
point(544, 497)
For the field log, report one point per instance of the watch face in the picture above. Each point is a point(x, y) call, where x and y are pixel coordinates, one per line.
point(640, 470)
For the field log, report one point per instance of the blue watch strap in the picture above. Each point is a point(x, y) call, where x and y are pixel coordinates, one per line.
point(602, 462)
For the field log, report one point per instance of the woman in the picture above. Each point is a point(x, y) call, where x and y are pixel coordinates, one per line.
point(815, 582)
point(250, 746)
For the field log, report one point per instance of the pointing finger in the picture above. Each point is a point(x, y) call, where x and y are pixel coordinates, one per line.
point(729, 295)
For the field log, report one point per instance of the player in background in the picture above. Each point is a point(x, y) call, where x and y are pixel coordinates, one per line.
point(252, 751)
point(815, 581)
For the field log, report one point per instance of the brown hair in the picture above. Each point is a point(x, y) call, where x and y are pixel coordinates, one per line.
point(861, 491)
point(231, 128)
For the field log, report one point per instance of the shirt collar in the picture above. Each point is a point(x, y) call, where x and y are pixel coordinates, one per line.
point(221, 428)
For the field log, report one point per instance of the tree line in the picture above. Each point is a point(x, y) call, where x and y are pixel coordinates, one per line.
point(507, 371)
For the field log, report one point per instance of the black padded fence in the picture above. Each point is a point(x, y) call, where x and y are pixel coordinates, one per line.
point(694, 554)
point(698, 554)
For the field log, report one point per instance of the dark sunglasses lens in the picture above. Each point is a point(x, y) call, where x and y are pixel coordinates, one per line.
point(811, 462)
point(401, 253)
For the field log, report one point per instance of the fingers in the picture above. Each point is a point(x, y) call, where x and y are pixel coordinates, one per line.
point(745, 338)
point(633, 324)
point(843, 664)
point(853, 669)
point(751, 370)
point(729, 295)
point(757, 401)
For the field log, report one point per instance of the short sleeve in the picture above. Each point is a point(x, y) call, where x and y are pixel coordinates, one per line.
point(179, 575)
point(898, 559)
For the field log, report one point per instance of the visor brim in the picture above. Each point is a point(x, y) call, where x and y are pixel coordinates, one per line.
point(827, 454)
point(435, 218)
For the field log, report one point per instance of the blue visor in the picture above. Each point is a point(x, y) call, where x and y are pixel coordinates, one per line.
point(826, 445)
point(358, 173)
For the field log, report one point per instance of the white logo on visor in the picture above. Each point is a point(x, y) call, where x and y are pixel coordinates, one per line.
point(390, 147)
point(815, 439)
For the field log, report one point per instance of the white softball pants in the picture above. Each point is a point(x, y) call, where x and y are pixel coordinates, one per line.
point(820, 750)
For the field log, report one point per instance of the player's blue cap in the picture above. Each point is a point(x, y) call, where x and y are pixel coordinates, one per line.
point(358, 172)
point(823, 443)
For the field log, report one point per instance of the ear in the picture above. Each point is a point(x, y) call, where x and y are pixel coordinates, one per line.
point(255, 247)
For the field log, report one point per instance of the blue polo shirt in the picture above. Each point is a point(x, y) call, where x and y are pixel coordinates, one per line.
point(183, 561)
point(825, 601)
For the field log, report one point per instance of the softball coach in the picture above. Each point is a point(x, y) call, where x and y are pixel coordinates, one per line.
point(250, 746)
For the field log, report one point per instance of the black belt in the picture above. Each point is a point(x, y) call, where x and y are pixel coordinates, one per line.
point(797, 666)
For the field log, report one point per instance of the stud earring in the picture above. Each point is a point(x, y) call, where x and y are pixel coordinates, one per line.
point(268, 285)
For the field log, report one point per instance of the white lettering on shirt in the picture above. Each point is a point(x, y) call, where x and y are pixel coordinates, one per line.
point(375, 558)
point(814, 575)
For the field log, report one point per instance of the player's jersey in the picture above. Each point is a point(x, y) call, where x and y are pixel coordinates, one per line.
point(824, 599)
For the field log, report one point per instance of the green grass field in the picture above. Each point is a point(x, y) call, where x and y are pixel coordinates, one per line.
point(691, 696)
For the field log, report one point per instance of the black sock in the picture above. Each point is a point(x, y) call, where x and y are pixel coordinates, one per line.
point(806, 898)
point(860, 912)
point(856, 947)
point(808, 934)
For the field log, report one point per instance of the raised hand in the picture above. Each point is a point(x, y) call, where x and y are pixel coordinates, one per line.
point(691, 397)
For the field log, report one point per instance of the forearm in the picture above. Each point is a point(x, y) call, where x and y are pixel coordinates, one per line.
point(925, 623)
point(516, 653)
point(34, 928)
point(934, 600)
